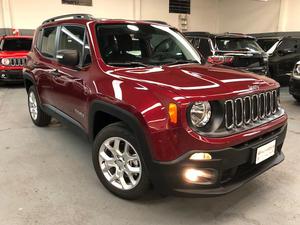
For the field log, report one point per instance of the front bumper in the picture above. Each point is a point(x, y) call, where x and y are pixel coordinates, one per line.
point(11, 76)
point(294, 87)
point(235, 166)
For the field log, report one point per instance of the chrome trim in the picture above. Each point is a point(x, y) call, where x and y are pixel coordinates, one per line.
point(261, 107)
point(236, 112)
point(17, 61)
point(268, 103)
point(275, 107)
point(254, 119)
point(250, 108)
point(262, 114)
point(229, 127)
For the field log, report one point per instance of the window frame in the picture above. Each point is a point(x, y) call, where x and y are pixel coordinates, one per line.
point(39, 42)
point(57, 39)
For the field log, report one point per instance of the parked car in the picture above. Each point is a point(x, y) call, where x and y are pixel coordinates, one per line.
point(295, 82)
point(283, 51)
point(156, 113)
point(13, 51)
point(234, 50)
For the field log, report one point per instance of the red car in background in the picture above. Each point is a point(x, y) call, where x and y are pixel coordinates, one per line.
point(13, 51)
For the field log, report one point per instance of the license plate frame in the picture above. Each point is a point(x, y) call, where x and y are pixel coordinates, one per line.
point(265, 152)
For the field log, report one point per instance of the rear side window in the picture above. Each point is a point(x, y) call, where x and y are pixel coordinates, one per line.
point(47, 47)
point(204, 48)
point(290, 43)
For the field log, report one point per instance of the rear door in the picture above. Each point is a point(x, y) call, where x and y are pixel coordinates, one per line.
point(45, 63)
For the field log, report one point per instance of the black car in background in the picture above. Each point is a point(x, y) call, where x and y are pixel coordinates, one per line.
point(234, 50)
point(295, 82)
point(283, 50)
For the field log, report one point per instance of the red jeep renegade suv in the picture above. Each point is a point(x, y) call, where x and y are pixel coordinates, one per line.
point(13, 51)
point(155, 113)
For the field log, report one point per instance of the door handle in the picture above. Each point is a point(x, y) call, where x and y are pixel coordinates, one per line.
point(55, 73)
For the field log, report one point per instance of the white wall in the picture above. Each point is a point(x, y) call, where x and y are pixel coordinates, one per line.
point(203, 13)
point(30, 13)
point(247, 16)
point(290, 15)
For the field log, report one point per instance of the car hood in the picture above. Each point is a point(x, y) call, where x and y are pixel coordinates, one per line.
point(197, 81)
point(11, 54)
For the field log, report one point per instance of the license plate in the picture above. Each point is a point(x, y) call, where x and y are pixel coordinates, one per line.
point(266, 151)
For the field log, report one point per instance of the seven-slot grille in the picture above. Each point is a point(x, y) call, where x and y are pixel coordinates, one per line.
point(17, 61)
point(250, 109)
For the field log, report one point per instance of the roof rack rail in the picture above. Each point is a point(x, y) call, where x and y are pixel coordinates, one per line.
point(74, 16)
point(156, 21)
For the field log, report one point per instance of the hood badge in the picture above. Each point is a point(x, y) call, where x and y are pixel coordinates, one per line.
point(253, 87)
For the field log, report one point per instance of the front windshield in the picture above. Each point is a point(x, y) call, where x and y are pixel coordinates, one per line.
point(143, 44)
point(238, 44)
point(16, 44)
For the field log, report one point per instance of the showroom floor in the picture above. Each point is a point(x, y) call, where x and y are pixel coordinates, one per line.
point(46, 177)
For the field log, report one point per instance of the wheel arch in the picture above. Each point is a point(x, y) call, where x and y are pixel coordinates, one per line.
point(118, 114)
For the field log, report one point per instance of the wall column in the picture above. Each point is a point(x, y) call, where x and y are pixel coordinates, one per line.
point(282, 21)
point(136, 9)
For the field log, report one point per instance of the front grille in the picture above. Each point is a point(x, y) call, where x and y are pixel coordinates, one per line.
point(17, 61)
point(250, 109)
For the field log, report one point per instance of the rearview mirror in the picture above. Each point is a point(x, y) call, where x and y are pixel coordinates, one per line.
point(68, 57)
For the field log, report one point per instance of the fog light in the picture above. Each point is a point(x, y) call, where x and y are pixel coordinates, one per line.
point(3, 75)
point(200, 176)
point(200, 156)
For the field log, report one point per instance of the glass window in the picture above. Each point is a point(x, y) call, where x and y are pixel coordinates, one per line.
point(78, 2)
point(267, 44)
point(143, 43)
point(237, 44)
point(204, 47)
point(48, 42)
point(72, 38)
point(16, 44)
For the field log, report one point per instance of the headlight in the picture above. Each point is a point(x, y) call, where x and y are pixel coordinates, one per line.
point(200, 114)
point(296, 71)
point(5, 61)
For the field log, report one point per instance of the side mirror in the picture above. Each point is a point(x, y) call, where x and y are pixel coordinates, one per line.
point(285, 51)
point(68, 57)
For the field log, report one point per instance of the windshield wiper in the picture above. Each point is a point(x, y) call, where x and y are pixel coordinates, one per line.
point(127, 64)
point(181, 62)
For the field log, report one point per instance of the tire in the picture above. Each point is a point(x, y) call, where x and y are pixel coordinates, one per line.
point(38, 117)
point(118, 165)
point(297, 98)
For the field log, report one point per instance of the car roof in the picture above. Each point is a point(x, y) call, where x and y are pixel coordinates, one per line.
point(211, 35)
point(276, 35)
point(85, 18)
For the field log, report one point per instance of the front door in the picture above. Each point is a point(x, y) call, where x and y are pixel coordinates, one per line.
point(69, 83)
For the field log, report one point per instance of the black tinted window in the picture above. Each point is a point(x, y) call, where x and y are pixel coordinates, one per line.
point(290, 44)
point(16, 44)
point(48, 42)
point(204, 48)
point(148, 44)
point(266, 44)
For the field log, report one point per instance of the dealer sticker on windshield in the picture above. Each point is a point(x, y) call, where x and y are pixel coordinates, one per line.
point(266, 151)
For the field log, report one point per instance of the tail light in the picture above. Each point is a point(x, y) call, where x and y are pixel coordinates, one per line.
point(217, 59)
